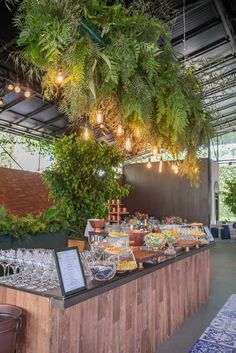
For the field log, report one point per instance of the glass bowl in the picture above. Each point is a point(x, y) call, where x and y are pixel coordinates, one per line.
point(102, 270)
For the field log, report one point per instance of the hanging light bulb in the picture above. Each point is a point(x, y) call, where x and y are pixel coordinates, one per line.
point(176, 170)
point(154, 151)
point(99, 118)
point(137, 132)
point(1, 101)
point(149, 163)
point(86, 133)
point(119, 131)
point(60, 77)
point(17, 88)
point(27, 93)
point(160, 166)
point(128, 145)
point(10, 87)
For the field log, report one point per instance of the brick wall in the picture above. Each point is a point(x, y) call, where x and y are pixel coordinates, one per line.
point(22, 192)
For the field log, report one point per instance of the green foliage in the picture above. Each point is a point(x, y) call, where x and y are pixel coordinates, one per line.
point(228, 174)
point(118, 57)
point(49, 221)
point(84, 178)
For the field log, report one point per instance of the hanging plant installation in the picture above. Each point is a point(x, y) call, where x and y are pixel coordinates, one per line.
point(115, 65)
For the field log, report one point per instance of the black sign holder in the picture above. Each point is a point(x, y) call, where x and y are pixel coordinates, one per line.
point(59, 272)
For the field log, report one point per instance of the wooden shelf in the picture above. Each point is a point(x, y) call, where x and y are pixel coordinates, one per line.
point(117, 207)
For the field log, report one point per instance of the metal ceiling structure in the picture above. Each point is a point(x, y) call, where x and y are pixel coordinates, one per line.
point(210, 36)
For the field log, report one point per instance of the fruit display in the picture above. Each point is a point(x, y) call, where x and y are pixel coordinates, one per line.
point(126, 266)
point(102, 270)
point(197, 233)
point(170, 235)
point(117, 234)
point(196, 224)
point(154, 240)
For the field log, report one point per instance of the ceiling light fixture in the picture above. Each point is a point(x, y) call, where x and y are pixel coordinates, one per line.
point(17, 88)
point(149, 163)
point(99, 118)
point(10, 87)
point(128, 145)
point(27, 93)
point(119, 131)
point(60, 77)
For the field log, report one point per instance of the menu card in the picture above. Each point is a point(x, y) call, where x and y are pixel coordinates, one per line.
point(70, 270)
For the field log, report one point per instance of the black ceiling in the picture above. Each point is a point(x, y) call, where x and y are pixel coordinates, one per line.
point(210, 33)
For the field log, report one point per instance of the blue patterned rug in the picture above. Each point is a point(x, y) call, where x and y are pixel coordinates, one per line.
point(220, 336)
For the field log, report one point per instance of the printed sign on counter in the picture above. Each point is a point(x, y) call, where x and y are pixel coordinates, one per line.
point(70, 270)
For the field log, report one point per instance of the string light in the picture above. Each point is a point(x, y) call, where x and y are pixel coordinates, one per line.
point(154, 151)
point(149, 163)
point(27, 93)
point(176, 170)
point(1, 101)
point(128, 145)
point(119, 131)
point(99, 118)
point(160, 166)
point(10, 87)
point(17, 88)
point(60, 77)
point(86, 134)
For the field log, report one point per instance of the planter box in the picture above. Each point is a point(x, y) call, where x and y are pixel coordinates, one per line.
point(34, 241)
point(5, 242)
point(42, 240)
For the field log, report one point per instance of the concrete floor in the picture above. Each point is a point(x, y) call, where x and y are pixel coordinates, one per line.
point(223, 284)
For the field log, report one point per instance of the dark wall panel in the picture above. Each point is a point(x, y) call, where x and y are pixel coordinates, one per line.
point(167, 194)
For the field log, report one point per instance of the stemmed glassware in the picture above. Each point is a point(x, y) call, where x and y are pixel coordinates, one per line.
point(32, 269)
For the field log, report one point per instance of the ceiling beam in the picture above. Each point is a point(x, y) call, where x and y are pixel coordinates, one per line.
point(196, 31)
point(34, 112)
point(226, 22)
point(221, 99)
point(49, 122)
point(227, 121)
point(205, 50)
point(224, 107)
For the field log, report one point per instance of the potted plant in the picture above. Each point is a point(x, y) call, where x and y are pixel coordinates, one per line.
point(47, 230)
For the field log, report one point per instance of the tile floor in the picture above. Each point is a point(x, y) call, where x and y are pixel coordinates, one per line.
point(223, 285)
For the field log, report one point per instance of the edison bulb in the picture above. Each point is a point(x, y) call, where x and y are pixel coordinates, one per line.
point(176, 169)
point(17, 89)
point(10, 87)
point(119, 130)
point(160, 166)
point(27, 93)
point(86, 134)
point(128, 145)
point(149, 164)
point(60, 77)
point(99, 118)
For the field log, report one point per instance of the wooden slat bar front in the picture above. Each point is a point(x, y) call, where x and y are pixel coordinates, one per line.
point(135, 317)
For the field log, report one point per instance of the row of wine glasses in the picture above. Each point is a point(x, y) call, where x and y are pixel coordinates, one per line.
point(32, 269)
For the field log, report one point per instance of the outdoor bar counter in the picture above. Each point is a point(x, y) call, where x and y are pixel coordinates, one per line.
point(132, 313)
